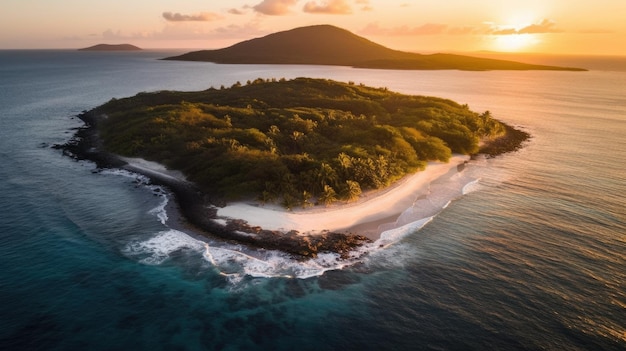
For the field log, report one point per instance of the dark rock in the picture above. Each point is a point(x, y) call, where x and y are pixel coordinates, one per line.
point(513, 140)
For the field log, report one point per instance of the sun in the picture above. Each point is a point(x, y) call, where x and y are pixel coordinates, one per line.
point(514, 42)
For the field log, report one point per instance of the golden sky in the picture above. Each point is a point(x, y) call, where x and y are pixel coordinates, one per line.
point(595, 27)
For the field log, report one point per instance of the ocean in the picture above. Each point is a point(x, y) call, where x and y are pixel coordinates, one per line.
point(530, 255)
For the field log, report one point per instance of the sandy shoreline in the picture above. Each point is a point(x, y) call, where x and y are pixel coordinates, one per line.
point(372, 208)
point(342, 218)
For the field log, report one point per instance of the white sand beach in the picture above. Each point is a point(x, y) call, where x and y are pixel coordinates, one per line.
point(371, 207)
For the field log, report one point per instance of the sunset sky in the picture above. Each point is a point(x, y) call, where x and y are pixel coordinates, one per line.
point(545, 26)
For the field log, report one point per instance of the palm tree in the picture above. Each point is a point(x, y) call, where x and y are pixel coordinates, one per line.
point(353, 190)
point(296, 136)
point(326, 175)
point(345, 162)
point(328, 196)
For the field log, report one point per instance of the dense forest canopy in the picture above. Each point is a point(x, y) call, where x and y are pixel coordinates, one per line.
point(296, 142)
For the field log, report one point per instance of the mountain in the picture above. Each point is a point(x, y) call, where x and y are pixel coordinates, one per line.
point(330, 45)
point(111, 47)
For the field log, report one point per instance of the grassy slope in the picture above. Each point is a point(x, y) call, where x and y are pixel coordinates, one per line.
point(329, 45)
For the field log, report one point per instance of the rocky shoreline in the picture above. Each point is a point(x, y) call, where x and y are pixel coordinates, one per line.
point(512, 141)
point(199, 209)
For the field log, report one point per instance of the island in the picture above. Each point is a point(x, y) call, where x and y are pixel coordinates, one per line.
point(298, 145)
point(330, 45)
point(111, 47)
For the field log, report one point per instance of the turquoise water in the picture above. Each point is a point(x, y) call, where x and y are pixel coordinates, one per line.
point(533, 257)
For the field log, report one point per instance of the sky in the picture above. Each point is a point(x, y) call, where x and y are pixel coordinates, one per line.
point(535, 26)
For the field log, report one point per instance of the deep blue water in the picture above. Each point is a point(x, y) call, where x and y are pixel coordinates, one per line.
point(533, 258)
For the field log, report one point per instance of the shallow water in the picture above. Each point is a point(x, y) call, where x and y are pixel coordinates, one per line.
point(532, 256)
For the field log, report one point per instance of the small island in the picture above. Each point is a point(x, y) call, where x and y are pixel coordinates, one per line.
point(300, 144)
point(330, 45)
point(111, 47)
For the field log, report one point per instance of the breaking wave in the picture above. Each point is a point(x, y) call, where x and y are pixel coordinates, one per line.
point(235, 262)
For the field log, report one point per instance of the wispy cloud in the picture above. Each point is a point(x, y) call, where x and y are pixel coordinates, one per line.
point(462, 30)
point(425, 29)
point(236, 12)
point(545, 26)
point(334, 7)
point(274, 7)
point(365, 5)
point(189, 31)
point(595, 31)
point(243, 31)
point(503, 31)
point(201, 17)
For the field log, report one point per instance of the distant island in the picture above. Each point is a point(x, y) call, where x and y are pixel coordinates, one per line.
point(330, 45)
point(111, 47)
point(296, 143)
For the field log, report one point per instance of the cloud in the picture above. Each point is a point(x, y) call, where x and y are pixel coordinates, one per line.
point(545, 26)
point(190, 32)
point(595, 31)
point(462, 30)
point(365, 5)
point(428, 29)
point(425, 29)
point(239, 32)
point(201, 17)
point(274, 7)
point(505, 31)
point(333, 7)
point(236, 12)
point(110, 34)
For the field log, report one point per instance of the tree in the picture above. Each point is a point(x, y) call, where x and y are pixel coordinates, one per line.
point(326, 175)
point(292, 140)
point(345, 162)
point(296, 136)
point(352, 190)
point(328, 195)
point(289, 202)
point(306, 199)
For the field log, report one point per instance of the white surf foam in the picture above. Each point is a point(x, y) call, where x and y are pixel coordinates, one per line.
point(471, 186)
point(394, 235)
point(159, 248)
point(138, 178)
point(160, 210)
point(238, 261)
point(235, 262)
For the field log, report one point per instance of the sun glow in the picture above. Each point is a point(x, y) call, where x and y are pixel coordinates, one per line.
point(514, 42)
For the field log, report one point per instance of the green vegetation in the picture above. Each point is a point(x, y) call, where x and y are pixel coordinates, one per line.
point(295, 142)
